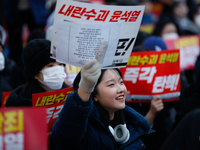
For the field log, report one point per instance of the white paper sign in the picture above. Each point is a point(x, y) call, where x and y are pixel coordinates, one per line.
point(78, 43)
point(84, 31)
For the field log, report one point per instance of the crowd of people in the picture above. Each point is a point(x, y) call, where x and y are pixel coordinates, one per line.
point(96, 116)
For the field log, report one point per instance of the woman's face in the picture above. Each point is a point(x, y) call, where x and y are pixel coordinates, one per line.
point(169, 32)
point(52, 64)
point(111, 91)
point(169, 28)
point(181, 10)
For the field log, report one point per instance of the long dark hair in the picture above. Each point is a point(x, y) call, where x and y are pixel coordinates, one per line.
point(104, 115)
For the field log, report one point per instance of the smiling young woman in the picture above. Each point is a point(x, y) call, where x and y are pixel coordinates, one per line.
point(95, 115)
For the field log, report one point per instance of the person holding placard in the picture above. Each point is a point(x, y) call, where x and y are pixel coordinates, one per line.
point(42, 73)
point(95, 116)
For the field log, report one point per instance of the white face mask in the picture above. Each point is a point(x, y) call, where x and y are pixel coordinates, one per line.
point(53, 77)
point(2, 61)
point(170, 36)
point(197, 20)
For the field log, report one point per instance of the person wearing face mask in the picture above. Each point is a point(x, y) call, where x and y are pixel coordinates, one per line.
point(95, 116)
point(42, 73)
point(167, 29)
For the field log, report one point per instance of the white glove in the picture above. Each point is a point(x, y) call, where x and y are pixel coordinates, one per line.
point(89, 76)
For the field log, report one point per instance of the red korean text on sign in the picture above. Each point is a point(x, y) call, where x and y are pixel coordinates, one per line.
point(90, 14)
point(78, 12)
point(101, 15)
point(126, 16)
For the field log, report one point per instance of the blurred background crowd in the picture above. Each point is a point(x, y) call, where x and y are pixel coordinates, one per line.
point(24, 20)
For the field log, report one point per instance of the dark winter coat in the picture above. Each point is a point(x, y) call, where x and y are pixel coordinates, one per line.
point(16, 98)
point(79, 127)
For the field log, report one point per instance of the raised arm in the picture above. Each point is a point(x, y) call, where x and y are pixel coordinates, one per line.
point(70, 129)
point(156, 106)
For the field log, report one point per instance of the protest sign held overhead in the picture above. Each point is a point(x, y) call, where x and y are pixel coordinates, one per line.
point(84, 31)
point(148, 74)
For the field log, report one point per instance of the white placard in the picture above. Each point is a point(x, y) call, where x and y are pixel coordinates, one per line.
point(84, 31)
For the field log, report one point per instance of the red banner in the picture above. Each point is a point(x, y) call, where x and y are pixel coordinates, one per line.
point(53, 101)
point(23, 129)
point(152, 73)
point(5, 97)
point(189, 50)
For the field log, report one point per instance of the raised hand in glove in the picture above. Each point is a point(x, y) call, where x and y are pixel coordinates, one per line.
point(89, 75)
